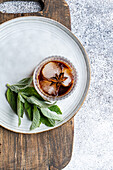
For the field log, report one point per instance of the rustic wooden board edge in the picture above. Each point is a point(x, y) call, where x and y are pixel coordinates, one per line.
point(52, 9)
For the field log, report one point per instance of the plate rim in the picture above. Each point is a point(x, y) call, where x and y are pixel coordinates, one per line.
point(66, 30)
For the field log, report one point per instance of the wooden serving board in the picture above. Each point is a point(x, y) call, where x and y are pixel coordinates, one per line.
point(50, 150)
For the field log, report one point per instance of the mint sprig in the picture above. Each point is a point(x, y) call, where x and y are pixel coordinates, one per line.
point(23, 98)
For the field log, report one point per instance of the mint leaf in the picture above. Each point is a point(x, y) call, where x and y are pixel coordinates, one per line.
point(30, 91)
point(47, 113)
point(28, 110)
point(36, 118)
point(21, 98)
point(52, 122)
point(35, 101)
point(25, 81)
point(12, 99)
point(22, 84)
point(20, 109)
point(19, 121)
point(45, 121)
point(55, 108)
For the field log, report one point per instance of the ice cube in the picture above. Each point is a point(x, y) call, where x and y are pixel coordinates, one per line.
point(51, 69)
point(68, 74)
point(48, 88)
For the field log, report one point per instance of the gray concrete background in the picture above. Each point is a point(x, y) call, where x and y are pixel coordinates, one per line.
point(92, 23)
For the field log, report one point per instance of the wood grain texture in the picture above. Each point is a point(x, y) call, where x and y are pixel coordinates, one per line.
point(50, 150)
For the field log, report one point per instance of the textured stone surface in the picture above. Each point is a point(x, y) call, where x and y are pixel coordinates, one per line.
point(22, 6)
point(92, 23)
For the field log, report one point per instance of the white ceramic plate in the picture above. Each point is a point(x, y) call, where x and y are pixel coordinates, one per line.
point(24, 42)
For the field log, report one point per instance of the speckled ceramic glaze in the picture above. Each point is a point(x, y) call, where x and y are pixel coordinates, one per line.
point(26, 41)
